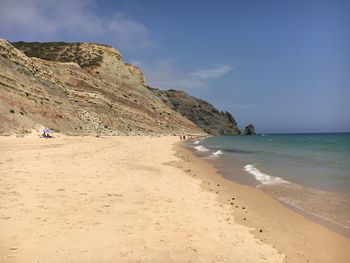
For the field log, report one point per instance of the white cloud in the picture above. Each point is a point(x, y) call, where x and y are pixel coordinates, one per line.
point(130, 33)
point(212, 73)
point(165, 75)
point(73, 19)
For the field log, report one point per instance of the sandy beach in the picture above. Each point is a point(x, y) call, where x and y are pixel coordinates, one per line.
point(141, 199)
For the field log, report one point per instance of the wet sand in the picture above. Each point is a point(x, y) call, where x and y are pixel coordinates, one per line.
point(332, 210)
point(299, 238)
point(115, 199)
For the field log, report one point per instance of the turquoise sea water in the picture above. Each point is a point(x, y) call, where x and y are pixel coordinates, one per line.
point(309, 171)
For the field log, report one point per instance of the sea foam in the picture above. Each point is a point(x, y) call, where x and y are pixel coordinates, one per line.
point(263, 178)
point(196, 142)
point(217, 153)
point(201, 148)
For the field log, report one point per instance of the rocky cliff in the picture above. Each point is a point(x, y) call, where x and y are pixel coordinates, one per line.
point(202, 113)
point(86, 88)
point(79, 88)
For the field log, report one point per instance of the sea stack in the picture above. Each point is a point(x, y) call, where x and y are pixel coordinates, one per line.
point(249, 130)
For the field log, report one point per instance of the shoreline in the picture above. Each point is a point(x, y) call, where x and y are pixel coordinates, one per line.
point(130, 199)
point(235, 173)
point(298, 237)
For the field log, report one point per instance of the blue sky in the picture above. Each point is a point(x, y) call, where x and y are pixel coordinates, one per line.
point(282, 65)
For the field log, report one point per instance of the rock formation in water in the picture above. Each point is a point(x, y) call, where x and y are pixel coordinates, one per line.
point(249, 130)
point(202, 113)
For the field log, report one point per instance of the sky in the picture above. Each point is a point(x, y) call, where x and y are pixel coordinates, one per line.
point(282, 65)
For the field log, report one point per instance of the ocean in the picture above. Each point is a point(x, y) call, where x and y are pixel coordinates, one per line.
point(308, 172)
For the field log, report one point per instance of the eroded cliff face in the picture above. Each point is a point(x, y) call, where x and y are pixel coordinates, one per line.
point(202, 113)
point(79, 88)
point(136, 71)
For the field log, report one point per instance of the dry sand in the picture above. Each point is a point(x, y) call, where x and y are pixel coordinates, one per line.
point(132, 199)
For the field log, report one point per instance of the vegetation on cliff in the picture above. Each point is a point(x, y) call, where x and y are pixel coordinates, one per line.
point(63, 52)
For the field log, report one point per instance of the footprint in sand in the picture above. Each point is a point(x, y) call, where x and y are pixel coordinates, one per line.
point(219, 258)
point(123, 253)
point(191, 249)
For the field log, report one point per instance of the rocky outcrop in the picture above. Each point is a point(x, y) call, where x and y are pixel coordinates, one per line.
point(137, 72)
point(202, 113)
point(249, 130)
point(79, 88)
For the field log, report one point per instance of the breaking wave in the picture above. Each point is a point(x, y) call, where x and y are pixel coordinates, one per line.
point(263, 178)
point(201, 148)
point(217, 153)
